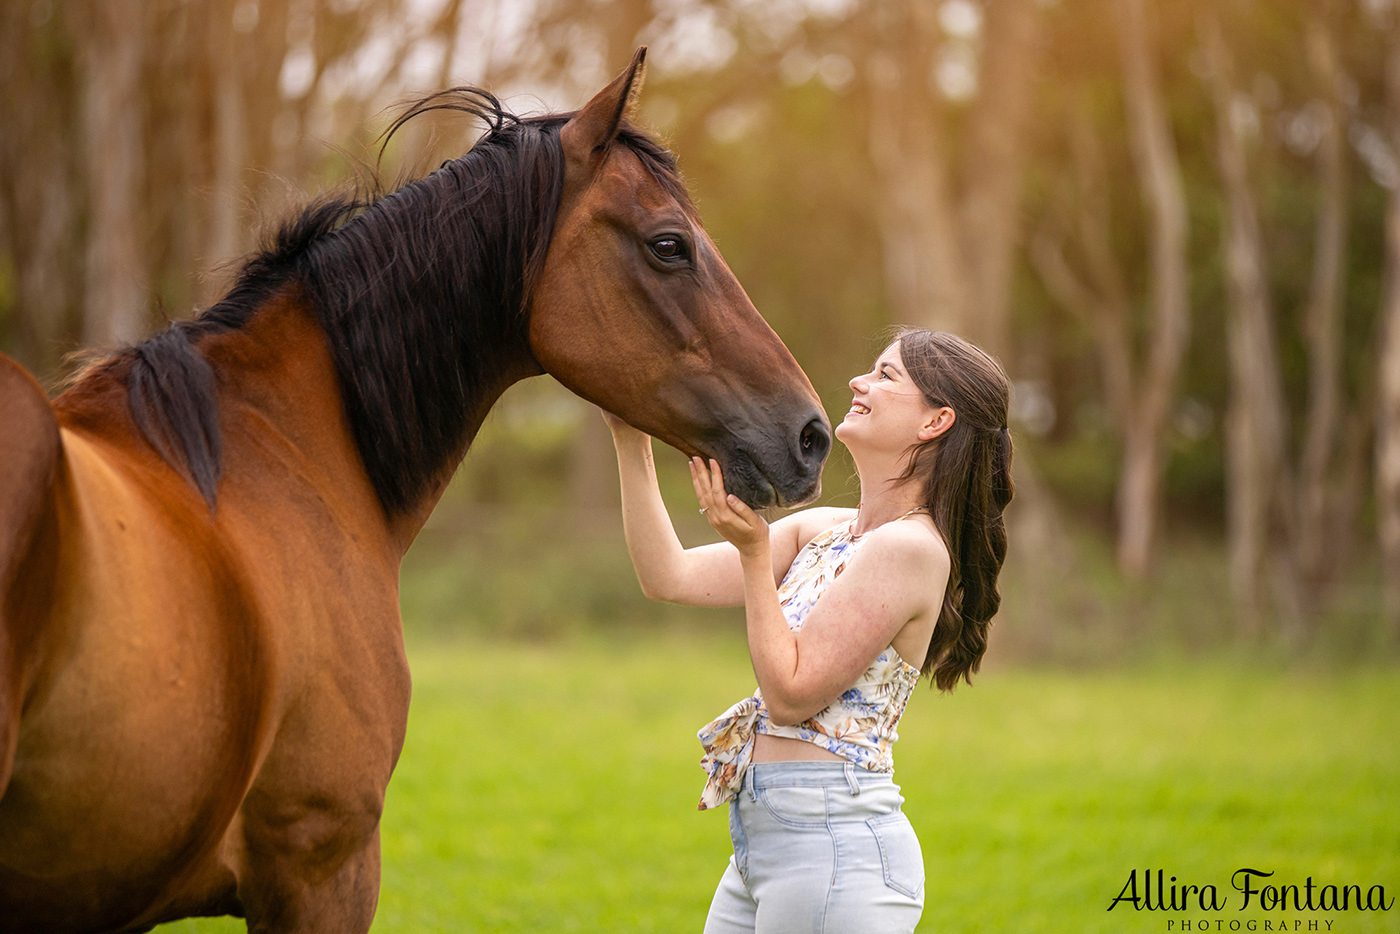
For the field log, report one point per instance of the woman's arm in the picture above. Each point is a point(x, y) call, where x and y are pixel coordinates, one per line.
point(709, 575)
point(889, 584)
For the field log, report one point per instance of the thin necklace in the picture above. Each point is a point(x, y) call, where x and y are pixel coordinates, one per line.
point(855, 534)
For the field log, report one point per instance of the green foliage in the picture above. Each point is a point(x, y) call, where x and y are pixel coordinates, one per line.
point(495, 573)
point(507, 552)
point(1083, 613)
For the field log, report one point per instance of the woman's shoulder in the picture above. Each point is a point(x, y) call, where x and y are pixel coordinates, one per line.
point(912, 539)
point(809, 523)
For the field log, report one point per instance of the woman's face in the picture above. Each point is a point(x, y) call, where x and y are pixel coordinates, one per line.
point(888, 412)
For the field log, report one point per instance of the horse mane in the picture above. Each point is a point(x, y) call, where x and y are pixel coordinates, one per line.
point(414, 291)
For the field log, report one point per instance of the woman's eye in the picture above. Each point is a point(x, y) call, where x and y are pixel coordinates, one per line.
point(668, 248)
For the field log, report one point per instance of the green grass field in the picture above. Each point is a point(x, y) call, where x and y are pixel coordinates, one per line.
point(553, 787)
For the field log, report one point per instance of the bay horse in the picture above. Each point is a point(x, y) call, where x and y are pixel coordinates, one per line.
point(203, 687)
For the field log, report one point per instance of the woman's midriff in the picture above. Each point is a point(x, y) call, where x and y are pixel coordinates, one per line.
point(786, 749)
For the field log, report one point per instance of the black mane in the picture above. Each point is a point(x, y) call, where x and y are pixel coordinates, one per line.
point(415, 291)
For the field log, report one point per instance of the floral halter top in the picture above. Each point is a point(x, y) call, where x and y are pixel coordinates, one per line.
point(859, 725)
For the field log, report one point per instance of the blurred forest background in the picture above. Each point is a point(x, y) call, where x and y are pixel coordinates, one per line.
point(1177, 222)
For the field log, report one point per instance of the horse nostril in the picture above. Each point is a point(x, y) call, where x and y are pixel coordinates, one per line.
point(815, 441)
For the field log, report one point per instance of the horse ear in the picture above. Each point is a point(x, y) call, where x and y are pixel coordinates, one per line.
point(591, 129)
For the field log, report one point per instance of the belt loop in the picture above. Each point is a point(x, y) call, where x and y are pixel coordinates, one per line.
point(748, 780)
point(851, 778)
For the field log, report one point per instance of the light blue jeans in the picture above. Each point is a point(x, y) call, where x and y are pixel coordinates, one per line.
point(819, 848)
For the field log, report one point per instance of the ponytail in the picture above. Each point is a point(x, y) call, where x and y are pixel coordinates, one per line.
point(965, 479)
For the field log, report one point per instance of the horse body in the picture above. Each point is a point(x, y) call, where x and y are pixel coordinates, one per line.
point(203, 686)
point(132, 687)
point(259, 713)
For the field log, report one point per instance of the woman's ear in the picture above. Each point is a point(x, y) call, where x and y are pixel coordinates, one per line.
point(940, 421)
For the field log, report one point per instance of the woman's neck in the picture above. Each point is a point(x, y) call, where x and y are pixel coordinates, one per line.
point(884, 501)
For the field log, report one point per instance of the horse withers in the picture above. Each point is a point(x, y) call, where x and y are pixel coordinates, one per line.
point(203, 688)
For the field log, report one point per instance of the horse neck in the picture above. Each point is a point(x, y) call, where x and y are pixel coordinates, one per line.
point(279, 367)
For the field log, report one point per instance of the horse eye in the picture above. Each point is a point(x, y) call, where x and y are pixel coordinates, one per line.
point(668, 248)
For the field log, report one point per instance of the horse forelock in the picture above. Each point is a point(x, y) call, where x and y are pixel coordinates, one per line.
point(420, 292)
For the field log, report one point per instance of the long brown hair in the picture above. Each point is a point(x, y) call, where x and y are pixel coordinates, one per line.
point(964, 476)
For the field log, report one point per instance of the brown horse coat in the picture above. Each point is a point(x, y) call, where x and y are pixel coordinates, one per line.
point(171, 701)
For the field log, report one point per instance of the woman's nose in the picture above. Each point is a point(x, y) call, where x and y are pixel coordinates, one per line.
point(857, 383)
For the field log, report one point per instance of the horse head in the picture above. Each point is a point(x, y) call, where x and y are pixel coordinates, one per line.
point(636, 310)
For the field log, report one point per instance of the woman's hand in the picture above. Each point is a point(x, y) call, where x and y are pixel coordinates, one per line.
point(728, 515)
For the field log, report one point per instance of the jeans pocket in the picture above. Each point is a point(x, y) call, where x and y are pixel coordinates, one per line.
point(900, 855)
point(795, 805)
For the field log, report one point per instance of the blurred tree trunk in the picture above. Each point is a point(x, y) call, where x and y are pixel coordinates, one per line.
point(1139, 393)
point(1258, 485)
point(1387, 451)
point(1320, 538)
point(38, 175)
point(993, 168)
point(924, 273)
point(1099, 296)
point(226, 236)
point(1289, 522)
point(116, 297)
point(949, 259)
point(1149, 403)
point(243, 62)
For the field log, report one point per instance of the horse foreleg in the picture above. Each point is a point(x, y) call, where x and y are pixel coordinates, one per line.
point(312, 866)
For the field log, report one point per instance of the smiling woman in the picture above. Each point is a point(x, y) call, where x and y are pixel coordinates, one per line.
point(846, 610)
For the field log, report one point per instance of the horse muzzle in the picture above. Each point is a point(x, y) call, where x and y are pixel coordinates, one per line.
point(777, 465)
